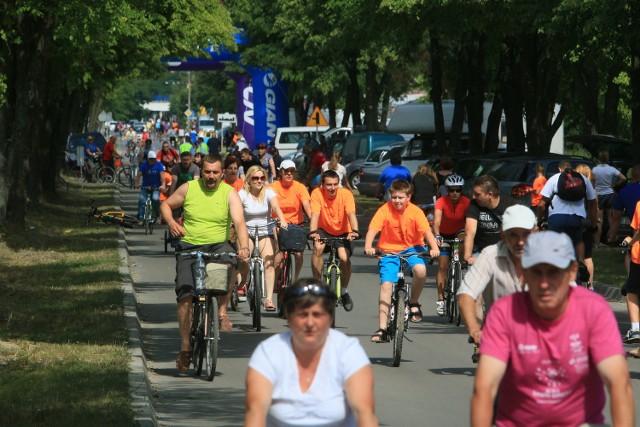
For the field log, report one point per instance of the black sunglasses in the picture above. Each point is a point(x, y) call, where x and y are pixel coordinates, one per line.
point(455, 190)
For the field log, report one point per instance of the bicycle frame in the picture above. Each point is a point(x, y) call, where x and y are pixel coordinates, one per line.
point(453, 281)
point(256, 273)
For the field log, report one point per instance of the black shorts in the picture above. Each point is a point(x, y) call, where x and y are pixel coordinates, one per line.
point(606, 201)
point(633, 284)
point(184, 271)
point(339, 244)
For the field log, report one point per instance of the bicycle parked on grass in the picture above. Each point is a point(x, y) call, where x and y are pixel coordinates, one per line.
point(454, 278)
point(399, 312)
point(148, 219)
point(291, 240)
point(210, 281)
point(126, 176)
point(331, 267)
point(110, 217)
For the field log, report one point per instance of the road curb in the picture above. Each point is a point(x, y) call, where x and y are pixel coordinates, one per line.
point(142, 404)
point(611, 293)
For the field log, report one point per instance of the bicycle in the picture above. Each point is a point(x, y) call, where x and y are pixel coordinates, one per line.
point(126, 177)
point(256, 289)
point(110, 217)
point(205, 326)
point(331, 267)
point(291, 240)
point(398, 321)
point(454, 278)
point(148, 218)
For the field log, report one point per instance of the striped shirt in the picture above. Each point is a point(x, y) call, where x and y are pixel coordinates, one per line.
point(493, 275)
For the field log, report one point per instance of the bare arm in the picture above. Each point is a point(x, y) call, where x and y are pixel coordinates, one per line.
point(175, 201)
point(353, 221)
point(272, 167)
point(468, 312)
point(258, 400)
point(437, 219)
point(488, 376)
point(275, 206)
point(592, 210)
point(615, 375)
point(359, 391)
point(434, 249)
point(620, 181)
point(306, 205)
point(542, 208)
point(368, 241)
point(237, 217)
point(345, 182)
point(470, 228)
point(313, 222)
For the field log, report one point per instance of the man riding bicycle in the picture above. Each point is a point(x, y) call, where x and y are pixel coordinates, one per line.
point(333, 214)
point(151, 173)
point(210, 206)
point(403, 228)
point(448, 219)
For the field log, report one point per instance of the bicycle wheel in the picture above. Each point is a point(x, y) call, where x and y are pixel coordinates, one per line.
point(235, 300)
point(450, 295)
point(105, 175)
point(457, 280)
point(213, 336)
point(147, 219)
point(198, 338)
point(400, 320)
point(124, 178)
point(286, 279)
point(257, 296)
point(333, 286)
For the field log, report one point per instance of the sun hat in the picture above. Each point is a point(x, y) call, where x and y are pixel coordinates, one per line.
point(287, 164)
point(548, 247)
point(518, 216)
point(152, 155)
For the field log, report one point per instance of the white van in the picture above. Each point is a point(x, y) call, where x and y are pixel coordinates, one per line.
point(287, 138)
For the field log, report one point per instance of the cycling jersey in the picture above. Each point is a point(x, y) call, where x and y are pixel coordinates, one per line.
point(453, 215)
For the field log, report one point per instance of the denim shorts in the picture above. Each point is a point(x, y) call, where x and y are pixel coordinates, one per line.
point(389, 265)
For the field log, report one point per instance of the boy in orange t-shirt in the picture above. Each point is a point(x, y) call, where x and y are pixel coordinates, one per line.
point(403, 228)
point(538, 185)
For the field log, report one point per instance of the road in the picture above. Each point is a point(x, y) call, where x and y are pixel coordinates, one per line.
point(432, 386)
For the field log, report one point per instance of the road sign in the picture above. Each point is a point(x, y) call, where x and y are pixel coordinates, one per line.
point(317, 119)
point(188, 112)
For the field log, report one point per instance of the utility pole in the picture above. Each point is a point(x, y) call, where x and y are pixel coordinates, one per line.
point(189, 96)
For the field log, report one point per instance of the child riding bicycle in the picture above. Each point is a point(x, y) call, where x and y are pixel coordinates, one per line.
point(403, 228)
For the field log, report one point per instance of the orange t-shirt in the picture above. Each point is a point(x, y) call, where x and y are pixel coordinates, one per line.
point(237, 185)
point(290, 200)
point(333, 217)
point(167, 183)
point(538, 184)
point(399, 231)
point(635, 224)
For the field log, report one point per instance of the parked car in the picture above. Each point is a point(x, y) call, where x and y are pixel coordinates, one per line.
point(359, 145)
point(78, 140)
point(376, 156)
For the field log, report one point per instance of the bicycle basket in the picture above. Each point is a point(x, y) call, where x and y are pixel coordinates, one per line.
point(217, 278)
point(294, 238)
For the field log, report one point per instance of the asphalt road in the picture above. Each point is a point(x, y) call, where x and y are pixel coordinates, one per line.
point(432, 387)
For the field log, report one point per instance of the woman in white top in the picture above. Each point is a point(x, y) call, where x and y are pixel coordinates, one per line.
point(334, 165)
point(258, 202)
point(332, 382)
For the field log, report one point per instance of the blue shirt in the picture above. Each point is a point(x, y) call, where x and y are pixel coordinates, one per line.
point(393, 172)
point(93, 148)
point(151, 174)
point(627, 199)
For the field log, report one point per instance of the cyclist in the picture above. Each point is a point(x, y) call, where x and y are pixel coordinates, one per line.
point(231, 168)
point(184, 171)
point(168, 154)
point(448, 219)
point(209, 206)
point(497, 271)
point(333, 213)
point(151, 173)
point(294, 200)
point(258, 201)
point(110, 153)
point(403, 228)
point(91, 155)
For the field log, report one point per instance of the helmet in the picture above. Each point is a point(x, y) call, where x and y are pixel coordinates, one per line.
point(454, 181)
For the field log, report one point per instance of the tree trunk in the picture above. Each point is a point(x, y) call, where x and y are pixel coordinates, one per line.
point(436, 91)
point(371, 97)
point(352, 103)
point(511, 88)
point(332, 111)
point(457, 122)
point(635, 102)
point(611, 99)
point(475, 99)
point(492, 138)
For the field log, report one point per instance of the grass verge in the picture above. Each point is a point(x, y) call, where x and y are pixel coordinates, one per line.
point(63, 341)
point(609, 266)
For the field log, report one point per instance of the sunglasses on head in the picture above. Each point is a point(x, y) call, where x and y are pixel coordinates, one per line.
point(298, 291)
point(258, 178)
point(455, 190)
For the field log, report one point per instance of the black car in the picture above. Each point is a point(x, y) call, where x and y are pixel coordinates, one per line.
point(79, 140)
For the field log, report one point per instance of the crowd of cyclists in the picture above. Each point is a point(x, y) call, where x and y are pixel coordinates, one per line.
point(217, 203)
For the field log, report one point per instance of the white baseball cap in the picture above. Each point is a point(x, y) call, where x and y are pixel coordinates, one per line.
point(152, 155)
point(287, 164)
point(518, 216)
point(548, 247)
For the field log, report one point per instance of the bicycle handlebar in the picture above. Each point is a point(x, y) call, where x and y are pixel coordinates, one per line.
point(332, 238)
point(208, 255)
point(424, 254)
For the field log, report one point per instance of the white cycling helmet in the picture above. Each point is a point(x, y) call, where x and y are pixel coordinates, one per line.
point(454, 181)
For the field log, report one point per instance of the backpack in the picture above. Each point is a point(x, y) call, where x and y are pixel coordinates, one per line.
point(571, 186)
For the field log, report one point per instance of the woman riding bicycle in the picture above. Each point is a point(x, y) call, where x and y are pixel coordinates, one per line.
point(449, 218)
point(258, 201)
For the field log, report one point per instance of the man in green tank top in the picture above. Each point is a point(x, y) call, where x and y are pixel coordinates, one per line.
point(210, 205)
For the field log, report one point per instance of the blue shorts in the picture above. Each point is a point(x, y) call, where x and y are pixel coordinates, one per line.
point(389, 265)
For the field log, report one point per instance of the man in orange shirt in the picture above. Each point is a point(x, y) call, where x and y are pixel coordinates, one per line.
point(333, 213)
point(403, 228)
point(294, 201)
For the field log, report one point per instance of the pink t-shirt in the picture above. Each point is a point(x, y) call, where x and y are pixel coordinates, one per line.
point(551, 376)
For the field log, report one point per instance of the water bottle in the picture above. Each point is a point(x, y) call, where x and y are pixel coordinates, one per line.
point(199, 273)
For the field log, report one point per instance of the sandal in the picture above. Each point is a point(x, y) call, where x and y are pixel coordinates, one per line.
point(182, 362)
point(268, 305)
point(635, 353)
point(415, 316)
point(225, 323)
point(380, 336)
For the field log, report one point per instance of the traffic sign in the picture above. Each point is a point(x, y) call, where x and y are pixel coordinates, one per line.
point(188, 112)
point(317, 119)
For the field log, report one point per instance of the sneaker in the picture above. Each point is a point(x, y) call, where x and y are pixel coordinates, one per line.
point(440, 308)
point(632, 337)
point(182, 362)
point(347, 302)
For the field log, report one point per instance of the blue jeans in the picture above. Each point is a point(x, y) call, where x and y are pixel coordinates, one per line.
point(155, 202)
